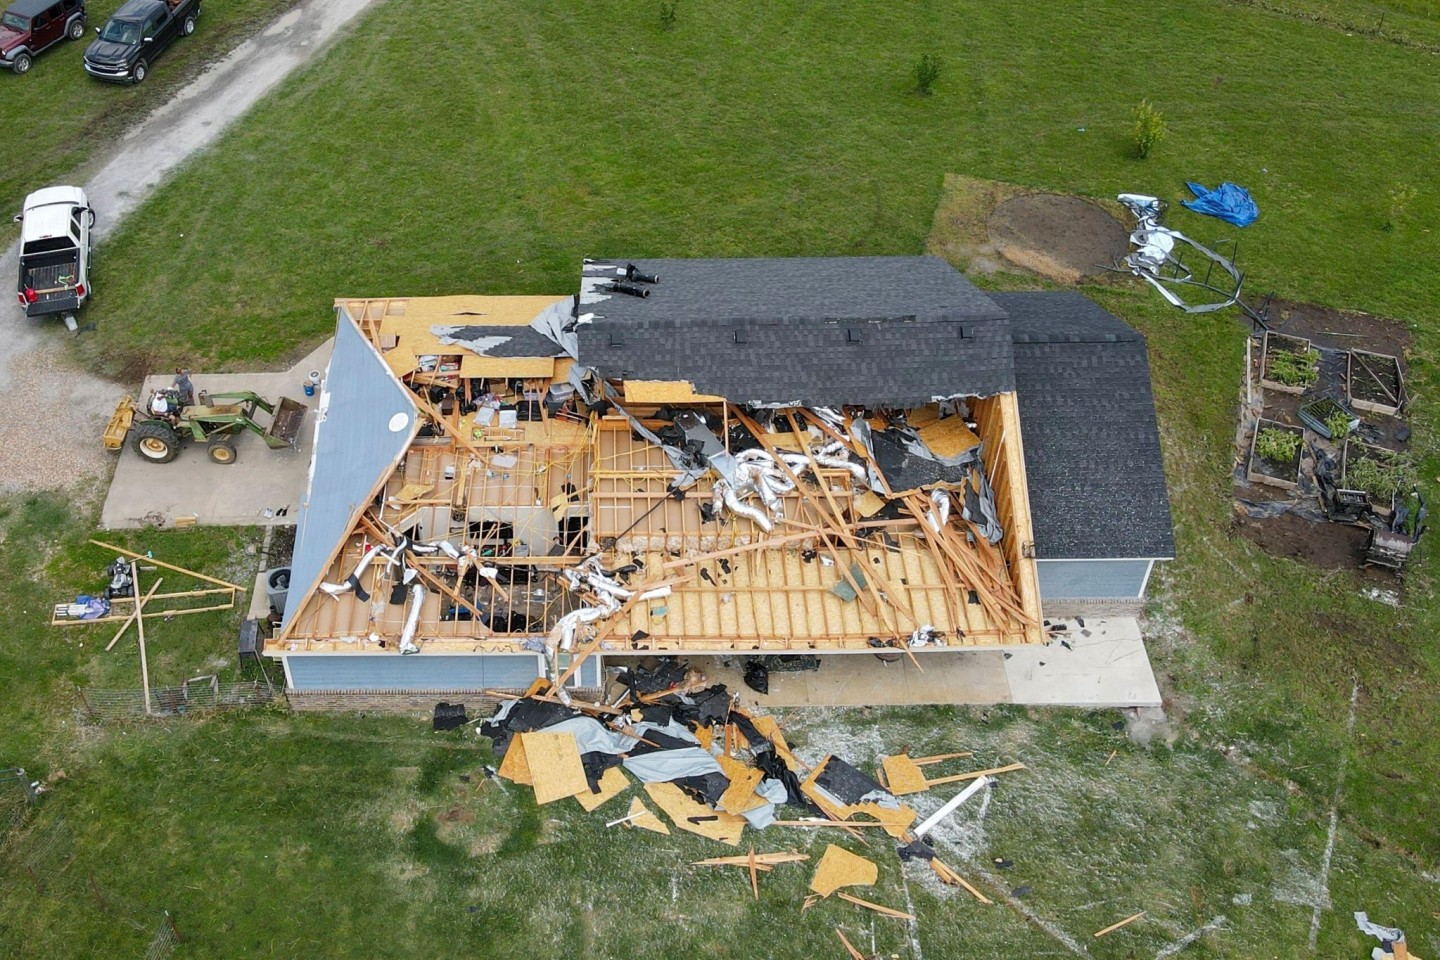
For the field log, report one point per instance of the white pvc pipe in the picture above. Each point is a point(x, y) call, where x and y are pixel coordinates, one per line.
point(951, 807)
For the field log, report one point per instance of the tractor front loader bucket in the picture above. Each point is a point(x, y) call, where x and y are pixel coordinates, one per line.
point(285, 424)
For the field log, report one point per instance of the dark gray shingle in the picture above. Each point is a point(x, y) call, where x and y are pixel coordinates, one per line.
point(1092, 444)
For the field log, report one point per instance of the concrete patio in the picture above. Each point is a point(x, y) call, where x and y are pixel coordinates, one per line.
point(262, 487)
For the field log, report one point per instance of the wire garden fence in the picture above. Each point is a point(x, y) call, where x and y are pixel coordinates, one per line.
point(43, 856)
point(197, 694)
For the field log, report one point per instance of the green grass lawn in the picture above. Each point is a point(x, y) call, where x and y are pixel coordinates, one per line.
point(56, 116)
point(441, 151)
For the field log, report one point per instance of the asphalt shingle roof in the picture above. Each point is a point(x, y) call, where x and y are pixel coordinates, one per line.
point(1092, 444)
point(818, 331)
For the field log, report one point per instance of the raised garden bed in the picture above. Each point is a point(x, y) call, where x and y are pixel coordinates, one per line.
point(1375, 471)
point(1288, 364)
point(1267, 465)
point(1375, 383)
point(1329, 418)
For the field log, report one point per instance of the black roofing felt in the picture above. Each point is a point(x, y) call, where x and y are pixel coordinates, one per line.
point(1092, 445)
point(496, 341)
point(818, 331)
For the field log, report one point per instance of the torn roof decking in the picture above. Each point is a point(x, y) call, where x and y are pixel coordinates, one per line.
point(879, 331)
point(1092, 443)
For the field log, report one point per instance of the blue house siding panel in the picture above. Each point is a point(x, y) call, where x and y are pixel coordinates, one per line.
point(1091, 579)
point(419, 672)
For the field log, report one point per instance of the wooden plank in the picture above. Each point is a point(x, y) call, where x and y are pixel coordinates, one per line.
point(1118, 924)
point(839, 867)
point(139, 608)
point(884, 911)
point(849, 947)
point(959, 777)
point(954, 879)
point(140, 629)
point(168, 566)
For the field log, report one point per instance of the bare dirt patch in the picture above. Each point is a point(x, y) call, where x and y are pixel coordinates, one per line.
point(988, 226)
point(1059, 237)
point(1329, 546)
point(1340, 329)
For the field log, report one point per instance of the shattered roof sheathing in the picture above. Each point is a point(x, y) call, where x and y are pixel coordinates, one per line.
point(884, 331)
point(1092, 444)
point(364, 423)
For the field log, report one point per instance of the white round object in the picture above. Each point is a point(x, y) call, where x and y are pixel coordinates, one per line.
point(399, 422)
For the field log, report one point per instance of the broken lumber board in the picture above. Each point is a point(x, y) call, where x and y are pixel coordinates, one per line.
point(954, 879)
point(973, 774)
point(763, 859)
point(839, 867)
point(168, 566)
point(613, 782)
point(740, 796)
point(883, 911)
point(641, 818)
point(139, 611)
point(826, 823)
point(1118, 924)
point(716, 824)
point(849, 947)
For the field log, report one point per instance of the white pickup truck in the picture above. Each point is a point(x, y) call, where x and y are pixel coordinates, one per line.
point(55, 245)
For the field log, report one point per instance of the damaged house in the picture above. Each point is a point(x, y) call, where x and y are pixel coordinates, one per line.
point(711, 457)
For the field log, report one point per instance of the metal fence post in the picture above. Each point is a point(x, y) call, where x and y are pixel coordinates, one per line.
point(171, 921)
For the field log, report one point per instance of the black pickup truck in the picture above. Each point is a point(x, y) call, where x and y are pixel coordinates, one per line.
point(138, 33)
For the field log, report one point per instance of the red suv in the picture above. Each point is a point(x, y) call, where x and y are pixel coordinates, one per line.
point(29, 26)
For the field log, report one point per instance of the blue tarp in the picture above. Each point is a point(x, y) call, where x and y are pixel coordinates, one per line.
point(1227, 201)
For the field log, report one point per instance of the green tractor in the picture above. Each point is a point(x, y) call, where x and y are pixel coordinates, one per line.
point(171, 416)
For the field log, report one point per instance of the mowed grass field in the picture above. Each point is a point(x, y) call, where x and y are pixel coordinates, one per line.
point(444, 150)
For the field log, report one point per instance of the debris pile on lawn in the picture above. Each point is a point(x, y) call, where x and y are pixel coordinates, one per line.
point(713, 769)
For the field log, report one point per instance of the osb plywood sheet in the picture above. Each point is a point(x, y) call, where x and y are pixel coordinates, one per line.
point(715, 824)
point(612, 783)
point(903, 775)
point(841, 868)
point(646, 820)
point(555, 768)
point(770, 729)
point(896, 820)
point(740, 796)
point(513, 766)
point(949, 437)
point(665, 391)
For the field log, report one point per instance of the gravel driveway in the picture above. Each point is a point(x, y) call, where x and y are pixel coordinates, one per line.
point(51, 414)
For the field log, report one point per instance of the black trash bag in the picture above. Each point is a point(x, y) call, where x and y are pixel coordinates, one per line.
point(757, 676)
point(448, 716)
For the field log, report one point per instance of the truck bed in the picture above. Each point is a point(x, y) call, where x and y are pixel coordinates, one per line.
point(52, 276)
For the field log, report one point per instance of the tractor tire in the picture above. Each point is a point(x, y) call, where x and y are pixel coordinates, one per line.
point(156, 441)
point(221, 450)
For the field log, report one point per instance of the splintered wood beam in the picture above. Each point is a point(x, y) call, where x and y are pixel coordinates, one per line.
point(168, 566)
point(849, 947)
point(1118, 924)
point(883, 911)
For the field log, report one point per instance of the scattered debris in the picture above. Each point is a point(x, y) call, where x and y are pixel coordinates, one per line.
point(1118, 924)
point(841, 868)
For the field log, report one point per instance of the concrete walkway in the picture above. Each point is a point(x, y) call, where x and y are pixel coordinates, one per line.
point(1105, 666)
point(261, 487)
point(51, 415)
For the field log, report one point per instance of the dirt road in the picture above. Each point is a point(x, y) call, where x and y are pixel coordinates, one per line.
point(51, 414)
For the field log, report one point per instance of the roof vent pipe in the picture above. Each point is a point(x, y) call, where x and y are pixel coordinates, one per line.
point(634, 290)
point(633, 274)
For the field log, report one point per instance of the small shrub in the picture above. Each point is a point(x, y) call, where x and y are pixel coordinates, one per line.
point(1401, 196)
point(669, 16)
point(1277, 446)
point(1380, 473)
point(1294, 369)
point(1338, 423)
point(927, 71)
point(1150, 130)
